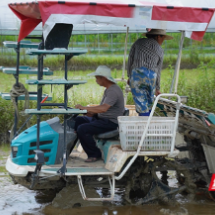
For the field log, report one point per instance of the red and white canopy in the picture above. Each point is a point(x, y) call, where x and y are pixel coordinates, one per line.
point(192, 16)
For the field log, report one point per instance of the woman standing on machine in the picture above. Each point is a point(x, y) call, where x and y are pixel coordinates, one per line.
point(144, 68)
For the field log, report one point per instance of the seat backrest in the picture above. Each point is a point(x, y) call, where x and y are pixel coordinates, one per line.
point(59, 36)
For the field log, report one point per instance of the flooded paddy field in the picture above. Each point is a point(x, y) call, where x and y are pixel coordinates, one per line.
point(18, 200)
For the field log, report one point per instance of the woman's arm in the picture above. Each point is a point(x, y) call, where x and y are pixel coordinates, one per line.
point(160, 64)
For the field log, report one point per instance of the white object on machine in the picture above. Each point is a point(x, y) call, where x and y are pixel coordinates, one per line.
point(145, 132)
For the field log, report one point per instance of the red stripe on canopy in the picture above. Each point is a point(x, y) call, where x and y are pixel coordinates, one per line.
point(182, 14)
point(82, 8)
point(197, 35)
point(28, 24)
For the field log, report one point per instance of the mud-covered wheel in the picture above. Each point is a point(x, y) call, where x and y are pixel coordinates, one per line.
point(138, 187)
point(144, 185)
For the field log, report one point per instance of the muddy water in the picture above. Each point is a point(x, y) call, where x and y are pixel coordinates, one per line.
point(18, 200)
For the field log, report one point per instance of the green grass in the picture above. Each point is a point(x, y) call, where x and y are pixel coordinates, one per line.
point(3, 169)
point(197, 84)
point(191, 82)
point(4, 148)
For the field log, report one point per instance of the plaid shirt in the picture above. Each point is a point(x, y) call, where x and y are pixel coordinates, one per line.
point(147, 53)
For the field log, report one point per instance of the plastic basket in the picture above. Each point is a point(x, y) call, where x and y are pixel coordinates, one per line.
point(131, 130)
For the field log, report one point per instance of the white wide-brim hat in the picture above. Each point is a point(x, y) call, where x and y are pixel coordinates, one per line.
point(103, 71)
point(159, 32)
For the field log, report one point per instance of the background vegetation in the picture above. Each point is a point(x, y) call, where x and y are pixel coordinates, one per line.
point(108, 49)
point(197, 82)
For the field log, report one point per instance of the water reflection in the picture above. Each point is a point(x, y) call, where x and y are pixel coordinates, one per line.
point(18, 200)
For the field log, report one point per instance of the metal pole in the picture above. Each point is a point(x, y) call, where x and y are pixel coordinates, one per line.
point(111, 43)
point(177, 65)
point(125, 52)
point(17, 49)
point(98, 44)
point(17, 63)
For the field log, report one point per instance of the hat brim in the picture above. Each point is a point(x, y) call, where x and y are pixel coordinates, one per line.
point(96, 74)
point(167, 37)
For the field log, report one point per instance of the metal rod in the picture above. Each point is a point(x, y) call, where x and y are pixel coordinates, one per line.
point(177, 65)
point(65, 88)
point(39, 96)
point(32, 93)
point(38, 132)
point(15, 118)
point(64, 138)
point(38, 78)
point(125, 53)
point(63, 169)
point(32, 37)
point(17, 49)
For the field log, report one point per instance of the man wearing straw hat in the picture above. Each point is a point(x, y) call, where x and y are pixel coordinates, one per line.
point(144, 69)
point(102, 118)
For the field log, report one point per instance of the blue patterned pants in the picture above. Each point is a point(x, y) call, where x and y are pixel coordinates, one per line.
point(143, 83)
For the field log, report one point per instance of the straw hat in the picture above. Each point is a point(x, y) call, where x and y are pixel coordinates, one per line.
point(158, 32)
point(103, 71)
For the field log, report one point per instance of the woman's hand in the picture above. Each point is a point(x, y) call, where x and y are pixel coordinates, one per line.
point(157, 92)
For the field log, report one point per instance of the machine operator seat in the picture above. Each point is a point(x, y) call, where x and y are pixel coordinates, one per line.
point(114, 133)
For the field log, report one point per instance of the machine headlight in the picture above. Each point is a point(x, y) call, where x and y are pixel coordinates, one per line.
point(15, 148)
point(14, 151)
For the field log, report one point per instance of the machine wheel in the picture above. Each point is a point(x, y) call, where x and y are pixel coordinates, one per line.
point(144, 186)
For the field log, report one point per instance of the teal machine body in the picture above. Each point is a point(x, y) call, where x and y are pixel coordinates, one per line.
point(51, 143)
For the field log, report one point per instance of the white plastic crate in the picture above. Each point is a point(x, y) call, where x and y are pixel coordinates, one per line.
point(131, 130)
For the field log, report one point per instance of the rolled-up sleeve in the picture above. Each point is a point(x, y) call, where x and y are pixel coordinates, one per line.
point(111, 98)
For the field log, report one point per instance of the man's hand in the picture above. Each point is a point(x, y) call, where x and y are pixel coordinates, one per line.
point(157, 92)
point(93, 110)
point(78, 106)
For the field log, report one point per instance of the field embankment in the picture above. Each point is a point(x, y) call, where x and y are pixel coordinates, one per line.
point(91, 62)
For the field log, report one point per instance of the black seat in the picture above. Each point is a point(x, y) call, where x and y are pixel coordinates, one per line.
point(59, 36)
point(114, 133)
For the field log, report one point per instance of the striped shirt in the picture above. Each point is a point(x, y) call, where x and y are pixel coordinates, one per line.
point(148, 53)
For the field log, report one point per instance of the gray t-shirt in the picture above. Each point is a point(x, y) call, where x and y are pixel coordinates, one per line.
point(113, 96)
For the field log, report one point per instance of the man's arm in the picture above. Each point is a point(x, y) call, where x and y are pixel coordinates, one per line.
point(93, 110)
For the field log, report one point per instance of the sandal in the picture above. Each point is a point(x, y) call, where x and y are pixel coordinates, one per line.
point(89, 160)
